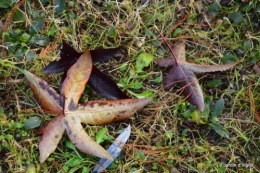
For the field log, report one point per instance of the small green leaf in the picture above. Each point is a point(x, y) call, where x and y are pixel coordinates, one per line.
point(177, 31)
point(148, 33)
point(25, 37)
point(30, 55)
point(71, 4)
point(73, 161)
point(214, 83)
point(236, 17)
point(30, 169)
point(71, 15)
point(158, 79)
point(169, 135)
point(36, 25)
point(136, 85)
point(41, 40)
point(52, 31)
point(70, 145)
point(156, 43)
point(20, 52)
point(32, 122)
point(112, 31)
point(247, 45)
point(214, 8)
point(19, 16)
point(143, 60)
point(101, 135)
point(228, 58)
point(219, 128)
point(145, 94)
point(140, 155)
point(218, 108)
point(59, 6)
point(187, 114)
point(198, 117)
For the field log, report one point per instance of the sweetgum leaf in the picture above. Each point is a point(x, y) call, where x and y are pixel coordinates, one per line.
point(108, 111)
point(52, 134)
point(104, 85)
point(48, 98)
point(77, 77)
point(183, 73)
point(98, 81)
point(71, 114)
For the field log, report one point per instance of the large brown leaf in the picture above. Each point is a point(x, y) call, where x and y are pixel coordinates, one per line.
point(71, 115)
point(183, 73)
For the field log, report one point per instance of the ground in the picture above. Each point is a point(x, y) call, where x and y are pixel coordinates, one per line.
point(168, 135)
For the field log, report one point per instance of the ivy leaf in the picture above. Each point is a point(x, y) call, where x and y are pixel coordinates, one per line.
point(59, 6)
point(41, 40)
point(5, 3)
point(36, 25)
point(236, 17)
point(30, 55)
point(217, 109)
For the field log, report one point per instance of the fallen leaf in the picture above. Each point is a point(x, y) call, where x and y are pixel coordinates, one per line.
point(114, 150)
point(48, 98)
point(183, 73)
point(71, 114)
point(98, 81)
point(77, 77)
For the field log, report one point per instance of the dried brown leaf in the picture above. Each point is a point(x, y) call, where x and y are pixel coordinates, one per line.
point(81, 140)
point(107, 111)
point(48, 98)
point(77, 77)
point(52, 134)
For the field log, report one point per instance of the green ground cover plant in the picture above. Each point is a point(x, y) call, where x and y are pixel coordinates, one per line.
point(169, 134)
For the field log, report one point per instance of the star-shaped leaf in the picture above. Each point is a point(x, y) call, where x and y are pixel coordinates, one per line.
point(183, 73)
point(71, 114)
point(98, 81)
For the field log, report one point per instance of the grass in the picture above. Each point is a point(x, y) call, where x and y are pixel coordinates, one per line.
point(166, 135)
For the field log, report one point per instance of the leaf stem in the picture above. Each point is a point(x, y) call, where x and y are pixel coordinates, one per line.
point(176, 61)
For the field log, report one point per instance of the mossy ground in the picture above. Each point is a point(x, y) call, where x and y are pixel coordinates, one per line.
point(165, 137)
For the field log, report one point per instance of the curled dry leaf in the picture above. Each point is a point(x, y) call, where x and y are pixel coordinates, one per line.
point(72, 114)
point(183, 73)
